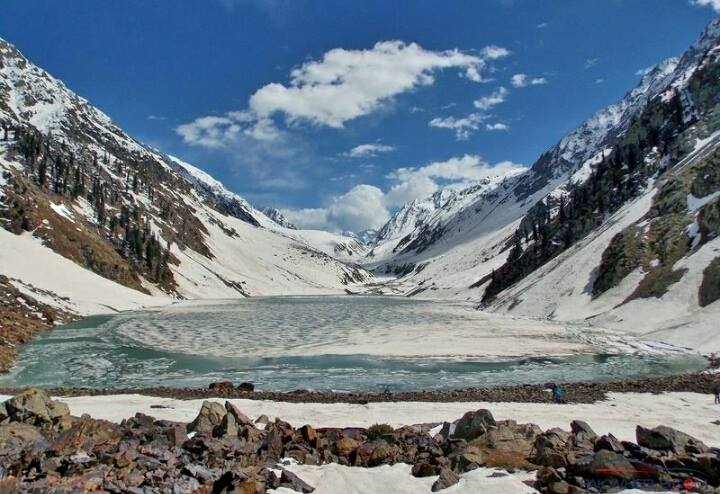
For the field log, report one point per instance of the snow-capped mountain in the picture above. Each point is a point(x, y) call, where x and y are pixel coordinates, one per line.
point(606, 220)
point(94, 220)
point(279, 218)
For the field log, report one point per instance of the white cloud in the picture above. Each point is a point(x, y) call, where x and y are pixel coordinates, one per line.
point(308, 218)
point(543, 25)
point(458, 169)
point(523, 80)
point(346, 84)
point(493, 52)
point(497, 126)
point(367, 206)
point(217, 132)
point(463, 126)
point(715, 4)
point(495, 98)
point(368, 150)
point(411, 188)
point(591, 62)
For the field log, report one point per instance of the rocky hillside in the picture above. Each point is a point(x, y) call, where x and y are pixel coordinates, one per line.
point(630, 196)
point(93, 220)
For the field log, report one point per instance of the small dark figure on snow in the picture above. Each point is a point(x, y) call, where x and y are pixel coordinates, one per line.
point(716, 392)
point(558, 393)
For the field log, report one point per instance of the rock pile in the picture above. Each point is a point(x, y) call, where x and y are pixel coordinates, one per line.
point(43, 448)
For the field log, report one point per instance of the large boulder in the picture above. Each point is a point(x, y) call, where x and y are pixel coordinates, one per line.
point(35, 407)
point(473, 425)
point(85, 434)
point(551, 448)
point(210, 416)
point(664, 438)
point(607, 463)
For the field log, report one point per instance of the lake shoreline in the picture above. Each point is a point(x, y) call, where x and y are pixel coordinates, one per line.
point(577, 392)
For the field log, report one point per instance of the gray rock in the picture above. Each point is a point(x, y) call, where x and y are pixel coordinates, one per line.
point(664, 438)
point(210, 416)
point(473, 424)
point(292, 481)
point(447, 479)
point(239, 417)
point(35, 407)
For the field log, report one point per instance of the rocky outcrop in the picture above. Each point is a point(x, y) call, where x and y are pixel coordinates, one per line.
point(44, 448)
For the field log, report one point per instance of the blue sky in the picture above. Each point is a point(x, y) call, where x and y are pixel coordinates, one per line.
point(338, 112)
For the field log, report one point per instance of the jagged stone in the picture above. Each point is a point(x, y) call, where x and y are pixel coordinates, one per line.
point(292, 481)
point(447, 478)
point(240, 418)
point(35, 407)
point(668, 439)
point(473, 424)
point(210, 416)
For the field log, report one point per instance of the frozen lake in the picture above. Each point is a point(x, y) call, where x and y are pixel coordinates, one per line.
point(341, 343)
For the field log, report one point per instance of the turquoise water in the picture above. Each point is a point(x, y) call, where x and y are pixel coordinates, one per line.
point(254, 340)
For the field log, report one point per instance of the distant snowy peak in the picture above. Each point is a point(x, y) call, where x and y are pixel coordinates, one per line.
point(439, 205)
point(582, 143)
point(279, 218)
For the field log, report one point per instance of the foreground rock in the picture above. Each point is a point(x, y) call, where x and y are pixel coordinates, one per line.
point(43, 449)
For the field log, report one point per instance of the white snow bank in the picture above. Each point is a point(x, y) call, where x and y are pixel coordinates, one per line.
point(337, 479)
point(41, 273)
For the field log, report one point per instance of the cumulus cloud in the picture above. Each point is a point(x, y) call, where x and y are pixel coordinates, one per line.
point(346, 84)
point(523, 80)
point(367, 206)
point(715, 4)
point(466, 168)
point(368, 150)
point(492, 100)
point(218, 132)
point(339, 87)
point(463, 126)
point(361, 208)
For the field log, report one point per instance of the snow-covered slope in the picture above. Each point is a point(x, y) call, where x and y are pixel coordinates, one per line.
point(125, 224)
point(456, 242)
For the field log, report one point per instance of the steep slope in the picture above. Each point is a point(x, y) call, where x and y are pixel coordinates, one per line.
point(547, 243)
point(93, 220)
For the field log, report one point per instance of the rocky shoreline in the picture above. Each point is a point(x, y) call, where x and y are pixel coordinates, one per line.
point(45, 449)
point(578, 392)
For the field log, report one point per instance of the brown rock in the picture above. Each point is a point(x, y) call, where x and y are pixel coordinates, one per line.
point(447, 478)
point(292, 481)
point(345, 446)
point(309, 434)
point(240, 418)
point(223, 387)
